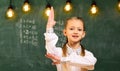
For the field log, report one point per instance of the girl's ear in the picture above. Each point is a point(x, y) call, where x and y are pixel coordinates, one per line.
point(64, 32)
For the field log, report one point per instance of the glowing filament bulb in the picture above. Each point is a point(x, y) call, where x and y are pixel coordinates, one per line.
point(10, 13)
point(47, 12)
point(94, 9)
point(119, 5)
point(68, 6)
point(26, 7)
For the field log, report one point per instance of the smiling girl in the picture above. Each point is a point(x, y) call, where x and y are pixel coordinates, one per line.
point(72, 56)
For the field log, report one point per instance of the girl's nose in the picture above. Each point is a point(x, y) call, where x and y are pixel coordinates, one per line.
point(75, 31)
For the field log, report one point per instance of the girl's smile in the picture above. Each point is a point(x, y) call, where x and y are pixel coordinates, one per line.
point(75, 36)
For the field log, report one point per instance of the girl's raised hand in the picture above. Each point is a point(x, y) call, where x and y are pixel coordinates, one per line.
point(51, 22)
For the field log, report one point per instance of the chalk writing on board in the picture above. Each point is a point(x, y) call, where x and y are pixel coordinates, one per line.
point(27, 32)
point(59, 31)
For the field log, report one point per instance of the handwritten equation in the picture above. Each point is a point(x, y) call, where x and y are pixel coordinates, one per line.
point(27, 32)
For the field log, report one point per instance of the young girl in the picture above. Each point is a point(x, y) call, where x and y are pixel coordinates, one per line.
point(72, 56)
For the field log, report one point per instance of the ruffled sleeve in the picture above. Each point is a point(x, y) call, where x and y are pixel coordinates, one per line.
point(87, 60)
point(51, 40)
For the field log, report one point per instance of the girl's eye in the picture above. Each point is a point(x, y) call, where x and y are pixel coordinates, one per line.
point(71, 29)
point(79, 29)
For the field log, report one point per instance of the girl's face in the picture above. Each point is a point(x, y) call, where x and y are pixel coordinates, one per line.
point(74, 30)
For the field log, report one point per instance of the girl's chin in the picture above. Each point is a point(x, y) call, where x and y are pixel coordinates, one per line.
point(76, 41)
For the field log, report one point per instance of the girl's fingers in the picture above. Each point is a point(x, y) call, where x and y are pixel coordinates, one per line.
point(54, 63)
point(48, 56)
point(51, 17)
point(52, 56)
point(52, 13)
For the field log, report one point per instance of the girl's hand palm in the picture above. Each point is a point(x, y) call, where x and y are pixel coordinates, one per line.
point(51, 22)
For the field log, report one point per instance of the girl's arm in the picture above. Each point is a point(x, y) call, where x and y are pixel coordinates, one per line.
point(88, 61)
point(50, 37)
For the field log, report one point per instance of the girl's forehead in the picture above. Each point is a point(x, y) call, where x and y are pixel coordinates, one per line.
point(74, 23)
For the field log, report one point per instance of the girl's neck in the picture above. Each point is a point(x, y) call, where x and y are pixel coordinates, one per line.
point(74, 45)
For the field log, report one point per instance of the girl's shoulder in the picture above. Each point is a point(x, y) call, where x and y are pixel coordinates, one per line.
point(87, 52)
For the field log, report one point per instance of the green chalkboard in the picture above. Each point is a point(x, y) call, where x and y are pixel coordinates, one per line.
point(22, 44)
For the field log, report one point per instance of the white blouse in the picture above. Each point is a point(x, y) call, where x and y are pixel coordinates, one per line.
point(73, 61)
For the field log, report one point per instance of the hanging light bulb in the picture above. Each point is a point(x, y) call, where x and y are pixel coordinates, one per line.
point(26, 7)
point(94, 8)
point(118, 5)
point(68, 6)
point(47, 10)
point(10, 12)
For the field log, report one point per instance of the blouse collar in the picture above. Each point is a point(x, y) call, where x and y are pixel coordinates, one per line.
point(70, 50)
